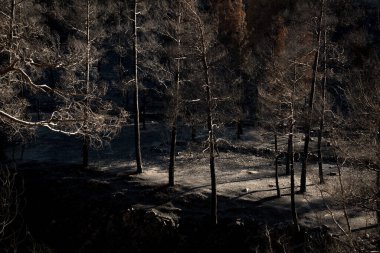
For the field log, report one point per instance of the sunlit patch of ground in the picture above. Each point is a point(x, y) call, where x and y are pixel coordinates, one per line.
point(246, 184)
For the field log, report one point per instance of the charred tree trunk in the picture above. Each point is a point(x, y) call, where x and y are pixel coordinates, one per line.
point(378, 195)
point(193, 133)
point(291, 154)
point(136, 94)
point(290, 143)
point(3, 141)
point(378, 177)
point(322, 119)
point(343, 201)
point(85, 151)
point(86, 142)
point(143, 114)
point(239, 129)
point(276, 165)
point(211, 140)
point(292, 184)
point(311, 104)
point(172, 153)
point(176, 94)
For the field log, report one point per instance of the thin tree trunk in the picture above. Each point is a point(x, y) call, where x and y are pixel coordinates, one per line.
point(85, 151)
point(378, 195)
point(322, 119)
point(239, 129)
point(136, 96)
point(214, 216)
point(311, 103)
point(120, 58)
point(143, 114)
point(292, 184)
point(85, 147)
point(291, 154)
point(378, 177)
point(172, 153)
point(193, 133)
point(343, 198)
point(211, 140)
point(11, 34)
point(176, 94)
point(276, 165)
point(11, 31)
point(3, 155)
point(287, 170)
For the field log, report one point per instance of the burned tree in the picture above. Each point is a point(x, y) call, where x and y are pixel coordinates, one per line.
point(77, 110)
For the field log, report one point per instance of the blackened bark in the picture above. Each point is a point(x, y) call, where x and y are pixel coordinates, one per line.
point(193, 133)
point(211, 140)
point(322, 117)
point(137, 133)
point(3, 141)
point(239, 129)
point(305, 154)
point(85, 151)
point(86, 141)
point(176, 99)
point(144, 111)
point(136, 95)
point(378, 177)
point(276, 165)
point(287, 171)
point(292, 185)
point(172, 154)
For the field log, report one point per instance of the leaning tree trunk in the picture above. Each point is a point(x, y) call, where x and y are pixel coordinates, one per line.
point(322, 119)
point(311, 104)
point(136, 95)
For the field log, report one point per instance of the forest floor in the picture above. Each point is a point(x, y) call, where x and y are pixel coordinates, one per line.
point(245, 182)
